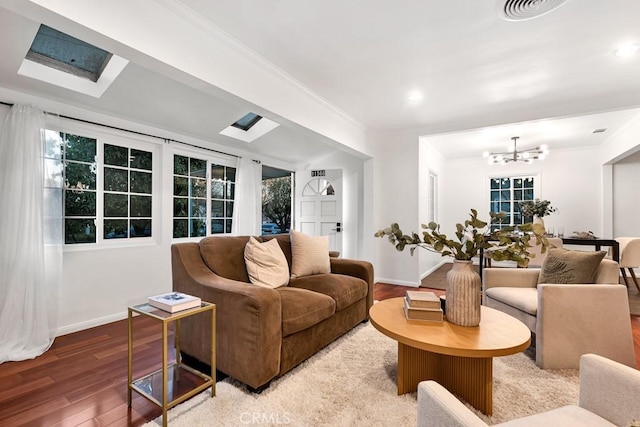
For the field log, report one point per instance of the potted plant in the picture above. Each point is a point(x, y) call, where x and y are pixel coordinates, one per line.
point(537, 209)
point(463, 282)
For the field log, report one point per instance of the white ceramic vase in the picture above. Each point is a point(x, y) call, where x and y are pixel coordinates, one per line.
point(538, 220)
point(463, 294)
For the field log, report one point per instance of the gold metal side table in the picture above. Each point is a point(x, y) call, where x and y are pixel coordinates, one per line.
point(162, 387)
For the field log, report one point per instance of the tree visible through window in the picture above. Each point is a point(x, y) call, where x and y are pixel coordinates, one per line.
point(505, 193)
point(125, 190)
point(276, 202)
point(201, 199)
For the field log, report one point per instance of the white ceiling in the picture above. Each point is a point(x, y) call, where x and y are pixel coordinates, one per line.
point(473, 68)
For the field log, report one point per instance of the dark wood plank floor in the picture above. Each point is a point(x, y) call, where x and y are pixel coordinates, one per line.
point(82, 379)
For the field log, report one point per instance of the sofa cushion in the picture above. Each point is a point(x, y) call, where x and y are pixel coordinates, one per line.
point(344, 290)
point(524, 299)
point(309, 254)
point(564, 266)
point(224, 255)
point(302, 309)
point(266, 263)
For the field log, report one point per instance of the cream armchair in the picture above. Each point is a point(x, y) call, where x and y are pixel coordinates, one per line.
point(568, 320)
point(608, 397)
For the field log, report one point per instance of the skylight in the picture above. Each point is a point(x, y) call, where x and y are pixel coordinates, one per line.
point(58, 50)
point(247, 121)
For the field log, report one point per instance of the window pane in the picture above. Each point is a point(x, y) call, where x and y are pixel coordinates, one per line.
point(229, 212)
point(80, 175)
point(198, 187)
point(228, 226)
point(517, 195)
point(198, 208)
point(79, 203)
point(495, 183)
point(141, 159)
point(217, 209)
point(115, 228)
point(217, 189)
point(517, 183)
point(217, 226)
point(528, 194)
point(505, 207)
point(53, 171)
point(140, 227)
point(180, 207)
point(198, 167)
point(140, 206)
point(116, 205)
point(231, 174)
point(198, 228)
point(180, 165)
point(495, 196)
point(180, 228)
point(116, 156)
point(180, 186)
point(79, 148)
point(79, 230)
point(217, 172)
point(140, 182)
point(231, 190)
point(116, 179)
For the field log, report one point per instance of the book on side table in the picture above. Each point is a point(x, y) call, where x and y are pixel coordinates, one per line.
point(174, 302)
point(422, 307)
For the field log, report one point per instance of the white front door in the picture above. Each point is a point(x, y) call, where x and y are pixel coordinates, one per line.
point(319, 204)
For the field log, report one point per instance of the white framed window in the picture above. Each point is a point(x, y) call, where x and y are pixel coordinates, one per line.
point(432, 201)
point(504, 194)
point(107, 185)
point(203, 195)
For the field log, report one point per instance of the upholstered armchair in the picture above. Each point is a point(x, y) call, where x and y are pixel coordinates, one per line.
point(608, 397)
point(568, 320)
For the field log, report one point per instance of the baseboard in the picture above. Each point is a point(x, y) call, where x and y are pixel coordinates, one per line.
point(69, 329)
point(397, 282)
point(432, 269)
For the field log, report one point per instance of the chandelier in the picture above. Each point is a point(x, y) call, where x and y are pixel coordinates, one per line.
point(513, 155)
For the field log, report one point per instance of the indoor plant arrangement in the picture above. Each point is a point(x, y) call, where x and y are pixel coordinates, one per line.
point(463, 282)
point(537, 207)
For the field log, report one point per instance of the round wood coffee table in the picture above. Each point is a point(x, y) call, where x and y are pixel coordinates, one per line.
point(459, 358)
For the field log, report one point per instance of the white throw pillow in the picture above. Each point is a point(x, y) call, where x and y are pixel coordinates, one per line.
point(309, 254)
point(266, 264)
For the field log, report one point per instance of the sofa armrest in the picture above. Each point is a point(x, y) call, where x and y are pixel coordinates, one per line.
point(247, 317)
point(438, 407)
point(573, 320)
point(609, 389)
point(608, 272)
point(510, 277)
point(356, 268)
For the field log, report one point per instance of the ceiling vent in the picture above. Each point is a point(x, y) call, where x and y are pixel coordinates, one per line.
point(520, 10)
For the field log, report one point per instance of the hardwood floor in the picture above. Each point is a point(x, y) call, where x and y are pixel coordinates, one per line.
point(82, 379)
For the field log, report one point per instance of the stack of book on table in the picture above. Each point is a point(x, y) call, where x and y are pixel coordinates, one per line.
point(174, 302)
point(422, 306)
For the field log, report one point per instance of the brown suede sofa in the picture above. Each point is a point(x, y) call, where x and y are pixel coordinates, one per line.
point(263, 333)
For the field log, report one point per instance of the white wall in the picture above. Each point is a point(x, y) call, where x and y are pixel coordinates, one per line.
point(430, 161)
point(626, 197)
point(570, 179)
point(395, 189)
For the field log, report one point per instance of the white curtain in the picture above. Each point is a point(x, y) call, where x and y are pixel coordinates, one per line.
point(30, 236)
point(247, 207)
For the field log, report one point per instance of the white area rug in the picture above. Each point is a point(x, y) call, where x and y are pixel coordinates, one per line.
point(352, 383)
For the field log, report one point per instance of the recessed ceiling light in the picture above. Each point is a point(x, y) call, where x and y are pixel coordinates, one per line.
point(415, 96)
point(627, 49)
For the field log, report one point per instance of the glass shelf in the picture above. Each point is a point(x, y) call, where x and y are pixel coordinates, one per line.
point(182, 381)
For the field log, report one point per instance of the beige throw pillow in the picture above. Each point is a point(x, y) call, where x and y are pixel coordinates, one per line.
point(266, 264)
point(309, 255)
point(564, 266)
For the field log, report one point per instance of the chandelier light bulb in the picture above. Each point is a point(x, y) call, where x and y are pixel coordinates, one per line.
point(485, 154)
